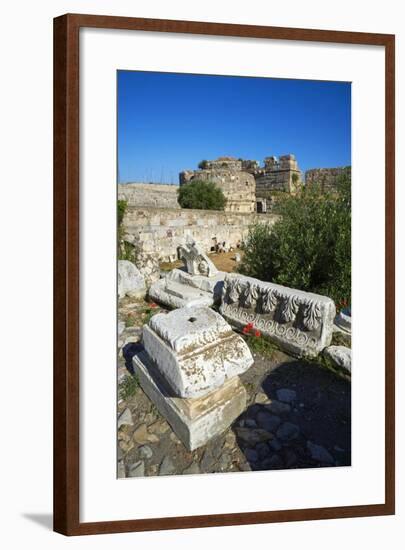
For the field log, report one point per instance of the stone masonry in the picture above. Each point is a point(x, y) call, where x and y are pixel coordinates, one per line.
point(152, 195)
point(159, 232)
point(239, 187)
point(326, 178)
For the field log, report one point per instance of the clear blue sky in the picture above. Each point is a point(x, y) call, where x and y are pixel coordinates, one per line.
point(169, 122)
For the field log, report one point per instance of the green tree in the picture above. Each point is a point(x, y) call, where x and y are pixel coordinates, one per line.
point(202, 195)
point(202, 165)
point(309, 247)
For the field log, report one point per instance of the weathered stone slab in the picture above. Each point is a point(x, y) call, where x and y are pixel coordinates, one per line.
point(341, 356)
point(195, 421)
point(195, 350)
point(299, 322)
point(180, 289)
point(130, 281)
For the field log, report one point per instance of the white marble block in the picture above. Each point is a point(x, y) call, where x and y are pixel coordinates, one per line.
point(195, 350)
point(299, 322)
point(195, 421)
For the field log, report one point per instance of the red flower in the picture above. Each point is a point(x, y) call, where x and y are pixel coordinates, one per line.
point(153, 305)
point(258, 333)
point(249, 326)
point(245, 330)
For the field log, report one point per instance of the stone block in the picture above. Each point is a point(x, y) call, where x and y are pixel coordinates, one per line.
point(130, 280)
point(194, 421)
point(195, 350)
point(301, 323)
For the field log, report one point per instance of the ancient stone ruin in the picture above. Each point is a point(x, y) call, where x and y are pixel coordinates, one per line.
point(190, 370)
point(327, 179)
point(200, 283)
point(238, 186)
point(299, 322)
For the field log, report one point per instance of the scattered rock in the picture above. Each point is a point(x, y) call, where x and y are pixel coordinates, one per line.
point(125, 418)
point(276, 407)
point(251, 455)
point(167, 467)
point(261, 398)
point(207, 460)
point(145, 452)
point(230, 439)
point(288, 431)
point(174, 438)
point(252, 437)
point(194, 468)
point(275, 444)
point(340, 356)
point(160, 427)
point(137, 469)
point(290, 459)
point(271, 463)
point(286, 396)
point(224, 461)
point(121, 327)
point(319, 453)
point(130, 280)
point(121, 469)
point(262, 449)
point(268, 421)
point(250, 423)
point(142, 436)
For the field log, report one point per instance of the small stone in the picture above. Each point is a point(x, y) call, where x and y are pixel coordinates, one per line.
point(174, 438)
point(121, 469)
point(137, 469)
point(251, 455)
point(261, 398)
point(194, 468)
point(230, 439)
point(145, 451)
point(167, 467)
point(271, 463)
point(319, 453)
point(153, 469)
point(207, 460)
point(288, 431)
point(262, 450)
point(160, 427)
point(125, 418)
point(142, 436)
point(267, 421)
point(276, 407)
point(275, 444)
point(286, 396)
point(224, 461)
point(340, 356)
point(290, 459)
point(252, 437)
point(250, 423)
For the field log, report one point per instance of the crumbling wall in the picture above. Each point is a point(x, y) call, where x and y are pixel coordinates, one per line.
point(158, 233)
point(153, 195)
point(326, 178)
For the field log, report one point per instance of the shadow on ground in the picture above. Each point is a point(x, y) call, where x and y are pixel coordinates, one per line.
point(310, 428)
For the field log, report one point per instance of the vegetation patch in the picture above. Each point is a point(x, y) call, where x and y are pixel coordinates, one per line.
point(128, 386)
point(201, 195)
point(309, 247)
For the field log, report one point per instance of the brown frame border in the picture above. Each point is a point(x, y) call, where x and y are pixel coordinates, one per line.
point(66, 273)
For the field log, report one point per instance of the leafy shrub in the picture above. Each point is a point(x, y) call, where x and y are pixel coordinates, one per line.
point(202, 165)
point(202, 195)
point(309, 248)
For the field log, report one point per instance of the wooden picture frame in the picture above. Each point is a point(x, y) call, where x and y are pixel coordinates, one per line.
point(67, 283)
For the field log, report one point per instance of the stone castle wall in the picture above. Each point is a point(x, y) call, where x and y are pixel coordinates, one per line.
point(238, 187)
point(153, 195)
point(159, 232)
point(326, 178)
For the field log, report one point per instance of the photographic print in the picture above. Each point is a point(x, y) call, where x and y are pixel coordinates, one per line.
point(234, 274)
